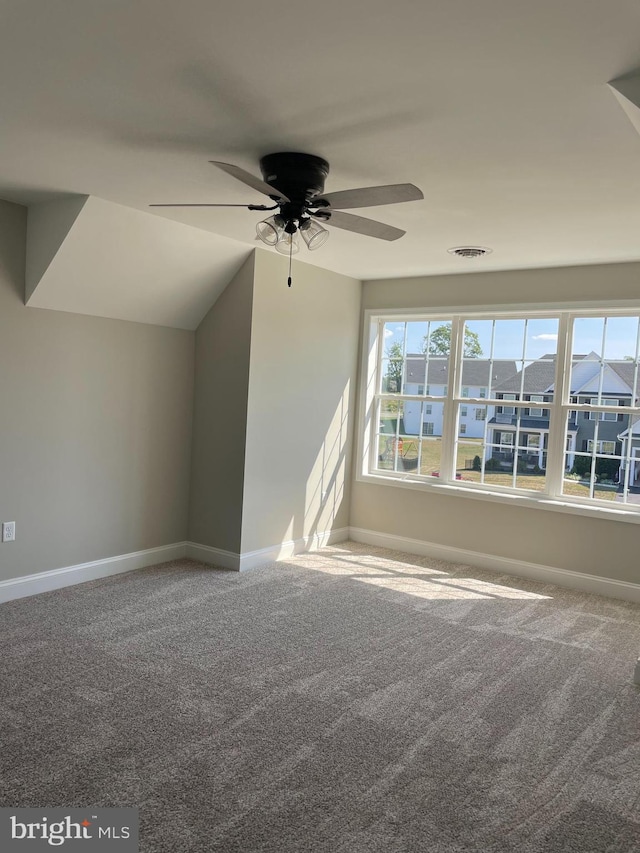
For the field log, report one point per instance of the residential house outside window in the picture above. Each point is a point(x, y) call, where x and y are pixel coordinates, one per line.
point(560, 413)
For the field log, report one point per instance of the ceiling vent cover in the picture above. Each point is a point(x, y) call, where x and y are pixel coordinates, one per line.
point(469, 251)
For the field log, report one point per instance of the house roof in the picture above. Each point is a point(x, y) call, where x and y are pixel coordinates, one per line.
point(475, 372)
point(634, 427)
point(539, 376)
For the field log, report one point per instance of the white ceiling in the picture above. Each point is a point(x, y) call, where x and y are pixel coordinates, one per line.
point(499, 111)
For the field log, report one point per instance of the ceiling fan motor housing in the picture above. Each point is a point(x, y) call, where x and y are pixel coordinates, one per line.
point(299, 176)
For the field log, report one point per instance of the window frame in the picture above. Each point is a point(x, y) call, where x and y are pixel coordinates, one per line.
point(559, 407)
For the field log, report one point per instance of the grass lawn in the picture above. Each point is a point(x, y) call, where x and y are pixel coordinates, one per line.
point(431, 458)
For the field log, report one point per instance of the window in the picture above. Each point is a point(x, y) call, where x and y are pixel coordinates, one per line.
point(562, 366)
point(421, 390)
point(536, 413)
point(603, 416)
point(608, 448)
point(508, 410)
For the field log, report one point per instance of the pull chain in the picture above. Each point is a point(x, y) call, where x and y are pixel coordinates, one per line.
point(290, 253)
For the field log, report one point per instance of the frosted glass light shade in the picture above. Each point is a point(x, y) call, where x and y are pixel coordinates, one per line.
point(270, 230)
point(314, 235)
point(288, 244)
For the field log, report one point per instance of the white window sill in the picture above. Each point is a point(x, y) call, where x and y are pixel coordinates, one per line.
point(528, 501)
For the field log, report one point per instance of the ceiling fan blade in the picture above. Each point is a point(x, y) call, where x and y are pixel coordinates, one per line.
point(370, 196)
point(246, 206)
point(249, 179)
point(362, 225)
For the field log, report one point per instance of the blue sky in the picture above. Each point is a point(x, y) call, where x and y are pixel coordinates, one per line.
point(620, 338)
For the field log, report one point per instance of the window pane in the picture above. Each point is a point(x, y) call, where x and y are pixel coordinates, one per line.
point(542, 339)
point(518, 444)
point(589, 472)
point(510, 356)
point(498, 467)
point(469, 459)
point(437, 343)
point(592, 378)
point(415, 374)
point(422, 418)
point(391, 376)
point(417, 332)
point(430, 455)
point(531, 462)
point(398, 440)
point(389, 412)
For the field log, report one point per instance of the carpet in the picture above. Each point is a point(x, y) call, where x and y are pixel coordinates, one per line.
point(353, 700)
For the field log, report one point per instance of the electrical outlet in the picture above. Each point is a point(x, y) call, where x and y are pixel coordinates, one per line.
point(8, 531)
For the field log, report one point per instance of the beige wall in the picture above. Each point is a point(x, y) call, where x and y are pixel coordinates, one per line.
point(95, 427)
point(573, 542)
point(223, 344)
point(304, 345)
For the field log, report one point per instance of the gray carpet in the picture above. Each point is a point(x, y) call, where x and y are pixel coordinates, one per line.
point(351, 701)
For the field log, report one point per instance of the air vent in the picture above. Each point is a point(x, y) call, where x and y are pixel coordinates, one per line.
point(469, 251)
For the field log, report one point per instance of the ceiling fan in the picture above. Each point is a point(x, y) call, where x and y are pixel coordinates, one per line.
point(295, 182)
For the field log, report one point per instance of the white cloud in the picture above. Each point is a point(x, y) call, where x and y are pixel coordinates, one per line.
point(388, 333)
point(545, 337)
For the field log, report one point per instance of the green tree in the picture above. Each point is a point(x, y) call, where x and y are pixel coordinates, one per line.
point(439, 342)
point(394, 369)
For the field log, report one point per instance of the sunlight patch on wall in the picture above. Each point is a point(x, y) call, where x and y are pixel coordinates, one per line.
point(326, 483)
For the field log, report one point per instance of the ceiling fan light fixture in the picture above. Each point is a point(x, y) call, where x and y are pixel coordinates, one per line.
point(270, 230)
point(313, 234)
point(288, 244)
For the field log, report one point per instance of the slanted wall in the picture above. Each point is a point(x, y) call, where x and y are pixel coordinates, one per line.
point(223, 347)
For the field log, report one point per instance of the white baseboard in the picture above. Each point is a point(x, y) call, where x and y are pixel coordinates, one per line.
point(71, 575)
point(252, 559)
point(546, 574)
point(213, 556)
point(83, 572)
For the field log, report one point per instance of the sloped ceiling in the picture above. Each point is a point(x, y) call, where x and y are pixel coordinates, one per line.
point(627, 91)
point(113, 261)
point(500, 112)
